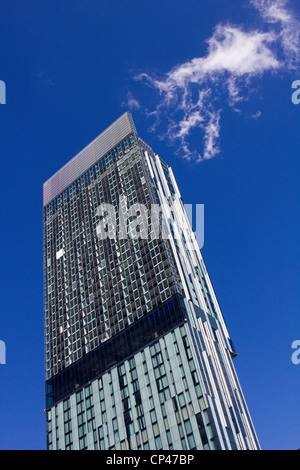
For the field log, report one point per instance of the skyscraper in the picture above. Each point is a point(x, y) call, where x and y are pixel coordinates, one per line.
point(137, 353)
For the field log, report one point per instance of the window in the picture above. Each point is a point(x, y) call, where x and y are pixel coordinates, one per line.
point(158, 443)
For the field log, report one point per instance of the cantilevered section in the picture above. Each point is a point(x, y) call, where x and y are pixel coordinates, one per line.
point(92, 153)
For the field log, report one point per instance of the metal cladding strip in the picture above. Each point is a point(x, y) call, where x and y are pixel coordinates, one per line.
point(87, 157)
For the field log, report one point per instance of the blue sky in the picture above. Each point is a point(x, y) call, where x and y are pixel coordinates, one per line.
point(209, 85)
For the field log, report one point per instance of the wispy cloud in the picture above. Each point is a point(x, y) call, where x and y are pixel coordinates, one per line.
point(192, 94)
point(276, 12)
point(45, 80)
point(131, 102)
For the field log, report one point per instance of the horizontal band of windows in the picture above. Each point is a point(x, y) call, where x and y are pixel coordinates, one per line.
point(120, 347)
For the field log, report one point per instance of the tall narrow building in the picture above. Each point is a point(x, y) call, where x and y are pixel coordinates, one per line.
point(137, 353)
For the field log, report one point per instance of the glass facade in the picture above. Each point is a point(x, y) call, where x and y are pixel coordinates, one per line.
point(94, 288)
point(137, 353)
point(151, 401)
point(119, 347)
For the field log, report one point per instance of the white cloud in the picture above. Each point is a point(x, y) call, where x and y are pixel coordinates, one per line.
point(239, 52)
point(276, 12)
point(191, 93)
point(273, 10)
point(131, 102)
point(211, 136)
